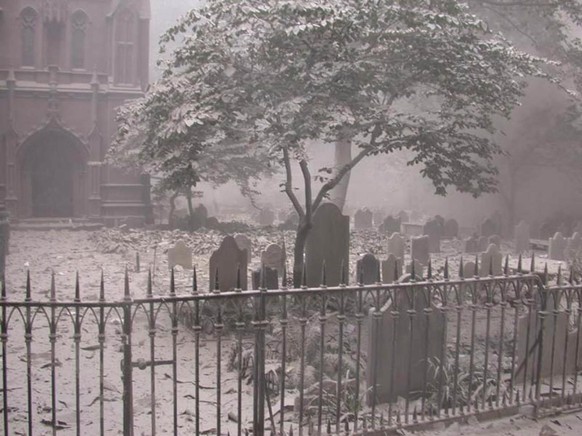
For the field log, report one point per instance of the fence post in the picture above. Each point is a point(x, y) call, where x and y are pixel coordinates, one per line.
point(259, 369)
point(4, 237)
point(127, 371)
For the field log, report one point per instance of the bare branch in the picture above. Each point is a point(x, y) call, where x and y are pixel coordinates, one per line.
point(308, 194)
point(289, 184)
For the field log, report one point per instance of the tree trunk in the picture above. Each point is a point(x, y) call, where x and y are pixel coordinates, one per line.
point(300, 240)
point(190, 209)
point(171, 219)
point(343, 156)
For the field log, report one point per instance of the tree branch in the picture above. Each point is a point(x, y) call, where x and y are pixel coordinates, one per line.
point(308, 199)
point(289, 184)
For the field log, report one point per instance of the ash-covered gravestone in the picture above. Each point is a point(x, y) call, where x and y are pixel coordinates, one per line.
point(396, 245)
point(451, 229)
point(557, 247)
point(180, 255)
point(395, 367)
point(329, 241)
point(390, 225)
point(274, 257)
point(491, 262)
point(573, 246)
point(434, 229)
point(391, 269)
point(225, 262)
point(367, 269)
point(489, 228)
point(521, 237)
point(244, 243)
point(363, 219)
point(419, 249)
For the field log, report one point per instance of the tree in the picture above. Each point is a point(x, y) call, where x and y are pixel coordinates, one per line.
point(279, 74)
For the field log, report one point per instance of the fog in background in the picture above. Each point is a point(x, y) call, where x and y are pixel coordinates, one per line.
point(540, 189)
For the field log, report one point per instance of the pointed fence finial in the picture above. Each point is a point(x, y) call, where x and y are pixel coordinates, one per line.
point(446, 273)
point(238, 278)
point(532, 268)
point(461, 267)
point(53, 293)
point(102, 287)
point(323, 275)
point(396, 275)
point(216, 284)
point(77, 287)
point(476, 270)
point(194, 280)
point(343, 274)
point(491, 266)
point(519, 266)
point(3, 287)
point(263, 277)
point(546, 278)
point(126, 285)
point(378, 273)
point(571, 278)
point(172, 281)
point(304, 275)
point(429, 273)
point(137, 263)
point(149, 291)
point(412, 270)
point(559, 279)
point(28, 288)
point(284, 277)
point(506, 266)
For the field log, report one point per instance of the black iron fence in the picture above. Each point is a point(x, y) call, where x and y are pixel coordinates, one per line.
point(332, 360)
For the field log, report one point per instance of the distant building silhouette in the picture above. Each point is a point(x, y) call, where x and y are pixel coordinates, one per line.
point(65, 66)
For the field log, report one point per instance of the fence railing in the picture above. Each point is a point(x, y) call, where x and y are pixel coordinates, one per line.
point(331, 360)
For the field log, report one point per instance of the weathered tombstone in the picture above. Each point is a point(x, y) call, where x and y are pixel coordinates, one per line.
point(390, 225)
point(378, 217)
point(491, 262)
point(419, 249)
point(396, 245)
point(471, 245)
point(391, 269)
point(363, 219)
point(573, 246)
point(547, 230)
point(521, 237)
point(180, 255)
point(555, 334)
point(451, 230)
point(212, 223)
point(434, 230)
point(497, 219)
point(329, 241)
point(488, 228)
point(412, 229)
point(495, 240)
point(418, 269)
point(469, 269)
point(266, 217)
point(226, 261)
point(392, 362)
point(367, 269)
point(271, 278)
point(403, 216)
point(440, 220)
point(199, 217)
point(483, 243)
point(244, 243)
point(557, 247)
point(274, 257)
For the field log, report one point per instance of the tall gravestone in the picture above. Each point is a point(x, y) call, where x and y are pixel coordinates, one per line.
point(378, 217)
point(451, 230)
point(391, 269)
point(390, 225)
point(573, 246)
point(471, 245)
point(434, 229)
point(419, 249)
point(491, 261)
point(489, 228)
point(391, 361)
point(180, 255)
point(557, 247)
point(227, 260)
point(329, 241)
point(244, 243)
point(363, 219)
point(274, 257)
point(521, 237)
point(495, 240)
point(199, 217)
point(403, 216)
point(396, 245)
point(367, 269)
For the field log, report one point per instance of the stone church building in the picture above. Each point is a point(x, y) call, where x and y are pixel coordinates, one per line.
point(65, 66)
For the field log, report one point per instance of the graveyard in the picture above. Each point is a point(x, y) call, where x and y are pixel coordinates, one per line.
point(375, 252)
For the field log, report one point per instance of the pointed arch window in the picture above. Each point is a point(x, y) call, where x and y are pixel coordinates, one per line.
point(28, 36)
point(79, 22)
point(125, 50)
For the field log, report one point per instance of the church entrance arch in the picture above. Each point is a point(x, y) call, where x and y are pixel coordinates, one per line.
point(53, 171)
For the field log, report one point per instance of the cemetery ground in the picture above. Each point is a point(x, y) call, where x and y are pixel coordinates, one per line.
point(112, 252)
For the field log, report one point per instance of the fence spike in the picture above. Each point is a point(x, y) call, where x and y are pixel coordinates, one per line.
point(490, 401)
point(194, 280)
point(343, 273)
point(398, 418)
point(518, 398)
point(446, 273)
point(28, 290)
point(102, 287)
point(429, 272)
point(216, 284)
point(137, 263)
point(263, 277)
point(571, 278)
point(491, 267)
point(559, 274)
point(461, 269)
point(53, 287)
point(172, 282)
point(291, 430)
point(77, 287)
point(361, 278)
point(396, 271)
point(304, 274)
point(149, 292)
point(328, 426)
point(346, 426)
point(412, 272)
point(414, 415)
point(284, 278)
point(476, 271)
point(238, 277)
point(532, 268)
point(519, 264)
point(546, 278)
point(323, 274)
point(378, 274)
point(506, 266)
point(126, 285)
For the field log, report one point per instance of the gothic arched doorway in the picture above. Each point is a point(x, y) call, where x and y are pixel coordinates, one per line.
point(52, 176)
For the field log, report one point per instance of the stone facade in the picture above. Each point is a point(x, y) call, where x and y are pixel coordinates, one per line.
point(65, 66)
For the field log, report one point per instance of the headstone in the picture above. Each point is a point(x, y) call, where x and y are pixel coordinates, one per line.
point(266, 217)
point(363, 219)
point(212, 223)
point(495, 240)
point(378, 218)
point(469, 269)
point(557, 247)
point(491, 261)
point(451, 230)
point(412, 229)
point(181, 255)
point(396, 245)
point(392, 362)
point(483, 243)
point(390, 225)
point(497, 219)
point(367, 269)
point(271, 278)
point(227, 260)
point(418, 269)
point(199, 217)
point(391, 269)
point(573, 246)
point(488, 228)
point(274, 257)
point(329, 241)
point(434, 229)
point(472, 245)
point(556, 331)
point(547, 230)
point(419, 249)
point(403, 216)
point(440, 220)
point(521, 237)
point(244, 243)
